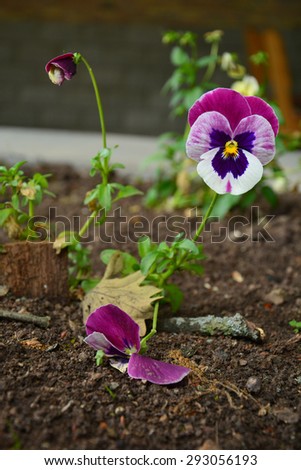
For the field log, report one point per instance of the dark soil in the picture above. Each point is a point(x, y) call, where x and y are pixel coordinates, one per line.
point(240, 395)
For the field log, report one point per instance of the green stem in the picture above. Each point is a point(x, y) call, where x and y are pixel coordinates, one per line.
point(154, 327)
point(174, 268)
point(205, 218)
point(98, 101)
point(181, 259)
point(211, 67)
point(87, 223)
point(30, 208)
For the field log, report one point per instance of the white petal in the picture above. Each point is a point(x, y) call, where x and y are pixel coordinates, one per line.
point(230, 184)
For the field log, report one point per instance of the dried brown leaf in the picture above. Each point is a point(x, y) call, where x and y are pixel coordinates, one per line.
point(128, 294)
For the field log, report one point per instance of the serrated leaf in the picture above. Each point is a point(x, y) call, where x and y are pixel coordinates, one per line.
point(128, 294)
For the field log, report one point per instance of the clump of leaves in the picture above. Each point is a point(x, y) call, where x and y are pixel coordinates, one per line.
point(159, 261)
point(21, 195)
point(99, 200)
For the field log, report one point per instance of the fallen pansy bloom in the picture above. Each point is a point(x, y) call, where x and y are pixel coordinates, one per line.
point(232, 137)
point(114, 332)
point(61, 68)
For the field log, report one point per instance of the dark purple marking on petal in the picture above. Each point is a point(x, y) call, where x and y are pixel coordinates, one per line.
point(157, 372)
point(218, 138)
point(245, 140)
point(235, 165)
point(120, 364)
point(117, 326)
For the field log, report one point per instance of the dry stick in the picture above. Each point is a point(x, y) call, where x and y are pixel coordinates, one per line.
point(43, 322)
point(210, 325)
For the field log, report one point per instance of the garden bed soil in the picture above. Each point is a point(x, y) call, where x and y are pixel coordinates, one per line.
point(239, 395)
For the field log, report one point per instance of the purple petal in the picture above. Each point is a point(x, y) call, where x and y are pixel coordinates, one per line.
point(98, 341)
point(260, 107)
point(230, 175)
point(157, 372)
point(255, 135)
point(63, 62)
point(210, 130)
point(228, 102)
point(117, 326)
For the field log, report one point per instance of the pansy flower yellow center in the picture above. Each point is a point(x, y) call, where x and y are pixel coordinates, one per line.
point(231, 149)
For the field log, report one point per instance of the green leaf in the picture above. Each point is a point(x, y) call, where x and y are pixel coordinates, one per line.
point(104, 196)
point(194, 268)
point(192, 95)
point(296, 325)
point(206, 60)
point(15, 201)
point(130, 263)
point(148, 261)
point(116, 166)
point(162, 265)
point(223, 205)
point(178, 56)
point(4, 214)
point(41, 180)
point(145, 246)
point(127, 191)
point(91, 195)
point(105, 153)
point(99, 357)
point(270, 195)
point(88, 284)
point(106, 255)
point(248, 198)
point(174, 296)
point(188, 245)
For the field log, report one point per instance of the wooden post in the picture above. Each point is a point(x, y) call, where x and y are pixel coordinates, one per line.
point(34, 270)
point(278, 72)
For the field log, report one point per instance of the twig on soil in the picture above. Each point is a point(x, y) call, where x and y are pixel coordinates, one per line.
point(43, 322)
point(210, 325)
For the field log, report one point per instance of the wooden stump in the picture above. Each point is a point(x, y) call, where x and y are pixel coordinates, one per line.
point(34, 270)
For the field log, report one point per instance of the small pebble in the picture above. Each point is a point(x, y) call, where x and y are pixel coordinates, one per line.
point(119, 410)
point(253, 384)
point(243, 362)
point(113, 385)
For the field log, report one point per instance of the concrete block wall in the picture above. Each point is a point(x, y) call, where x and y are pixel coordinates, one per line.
point(129, 61)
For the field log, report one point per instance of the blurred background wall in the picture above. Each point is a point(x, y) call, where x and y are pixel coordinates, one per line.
point(122, 41)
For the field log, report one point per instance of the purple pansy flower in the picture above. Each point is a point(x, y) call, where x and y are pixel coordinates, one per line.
point(232, 137)
point(114, 332)
point(61, 68)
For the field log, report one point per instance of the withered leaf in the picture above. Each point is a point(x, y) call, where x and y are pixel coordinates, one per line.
point(128, 294)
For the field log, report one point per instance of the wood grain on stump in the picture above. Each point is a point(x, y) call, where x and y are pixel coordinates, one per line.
point(34, 270)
